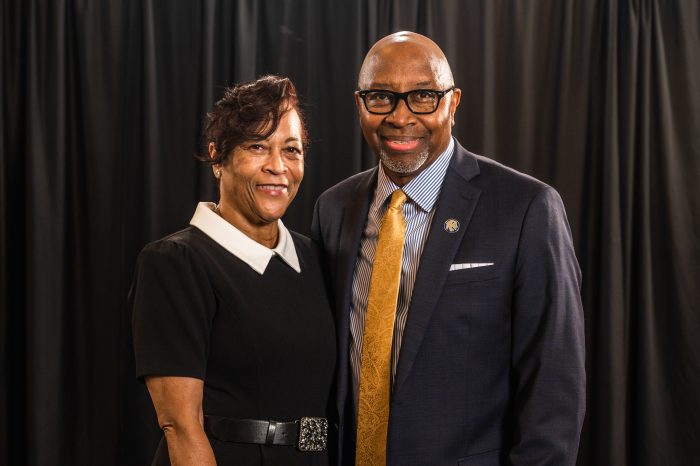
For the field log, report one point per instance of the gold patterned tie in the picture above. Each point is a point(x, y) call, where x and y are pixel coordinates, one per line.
point(375, 368)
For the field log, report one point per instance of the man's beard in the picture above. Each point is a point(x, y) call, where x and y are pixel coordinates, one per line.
point(403, 167)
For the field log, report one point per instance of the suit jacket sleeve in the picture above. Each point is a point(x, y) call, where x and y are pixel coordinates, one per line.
point(548, 339)
point(316, 226)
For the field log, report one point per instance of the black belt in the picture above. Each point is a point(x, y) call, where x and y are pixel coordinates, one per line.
point(307, 434)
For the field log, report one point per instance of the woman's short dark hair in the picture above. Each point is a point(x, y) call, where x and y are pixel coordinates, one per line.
point(248, 111)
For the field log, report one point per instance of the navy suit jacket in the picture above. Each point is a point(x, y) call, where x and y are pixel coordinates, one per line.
point(491, 368)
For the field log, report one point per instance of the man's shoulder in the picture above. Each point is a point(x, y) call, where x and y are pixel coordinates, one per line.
point(499, 182)
point(350, 187)
point(506, 186)
point(492, 174)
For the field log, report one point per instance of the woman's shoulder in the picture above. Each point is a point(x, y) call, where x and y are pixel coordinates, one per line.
point(180, 243)
point(309, 253)
point(304, 244)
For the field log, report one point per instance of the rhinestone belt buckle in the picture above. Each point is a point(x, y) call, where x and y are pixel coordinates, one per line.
point(313, 433)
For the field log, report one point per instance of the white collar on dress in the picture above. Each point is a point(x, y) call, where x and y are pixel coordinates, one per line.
point(237, 243)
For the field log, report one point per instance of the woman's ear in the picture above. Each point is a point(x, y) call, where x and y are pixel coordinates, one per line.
point(216, 168)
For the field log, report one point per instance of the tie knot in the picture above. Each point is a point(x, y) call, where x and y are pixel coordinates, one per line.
point(398, 199)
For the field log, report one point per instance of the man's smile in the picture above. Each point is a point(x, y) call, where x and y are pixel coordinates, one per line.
point(401, 143)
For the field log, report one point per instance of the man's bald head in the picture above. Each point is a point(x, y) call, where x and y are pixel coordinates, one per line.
point(401, 70)
point(391, 47)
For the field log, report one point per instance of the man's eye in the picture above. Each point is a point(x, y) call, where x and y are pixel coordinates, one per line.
point(424, 95)
point(380, 97)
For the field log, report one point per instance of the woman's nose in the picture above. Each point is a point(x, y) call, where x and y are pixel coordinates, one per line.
point(276, 163)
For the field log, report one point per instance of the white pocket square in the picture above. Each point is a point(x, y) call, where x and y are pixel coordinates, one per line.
point(469, 265)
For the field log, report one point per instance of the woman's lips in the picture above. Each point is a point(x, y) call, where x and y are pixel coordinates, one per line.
point(273, 189)
point(401, 144)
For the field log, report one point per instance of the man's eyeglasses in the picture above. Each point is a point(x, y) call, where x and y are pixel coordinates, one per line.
point(419, 101)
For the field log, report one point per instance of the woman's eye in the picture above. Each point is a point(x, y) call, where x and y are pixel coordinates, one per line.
point(257, 148)
point(295, 151)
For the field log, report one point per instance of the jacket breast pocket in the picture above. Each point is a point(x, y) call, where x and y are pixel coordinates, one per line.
point(475, 274)
point(489, 458)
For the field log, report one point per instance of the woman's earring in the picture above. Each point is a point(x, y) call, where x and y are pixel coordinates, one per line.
point(217, 173)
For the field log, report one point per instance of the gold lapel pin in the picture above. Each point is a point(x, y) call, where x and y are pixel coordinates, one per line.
point(451, 225)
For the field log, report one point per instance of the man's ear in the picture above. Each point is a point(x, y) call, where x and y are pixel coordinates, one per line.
point(358, 102)
point(454, 103)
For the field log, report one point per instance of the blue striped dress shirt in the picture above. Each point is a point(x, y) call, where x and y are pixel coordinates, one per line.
point(422, 192)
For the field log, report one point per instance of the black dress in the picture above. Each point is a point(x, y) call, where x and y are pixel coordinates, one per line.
point(263, 344)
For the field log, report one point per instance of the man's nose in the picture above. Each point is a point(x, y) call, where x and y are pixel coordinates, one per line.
point(401, 115)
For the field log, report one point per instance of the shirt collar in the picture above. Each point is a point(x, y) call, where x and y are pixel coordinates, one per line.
point(237, 243)
point(423, 189)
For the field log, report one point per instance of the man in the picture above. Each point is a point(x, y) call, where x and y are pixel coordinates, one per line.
point(482, 359)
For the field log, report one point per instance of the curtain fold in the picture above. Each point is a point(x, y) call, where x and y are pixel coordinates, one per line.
point(642, 313)
point(101, 108)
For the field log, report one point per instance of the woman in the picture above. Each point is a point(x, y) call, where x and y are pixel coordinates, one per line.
point(232, 326)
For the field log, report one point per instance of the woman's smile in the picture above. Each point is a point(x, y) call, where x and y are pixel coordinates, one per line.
point(273, 189)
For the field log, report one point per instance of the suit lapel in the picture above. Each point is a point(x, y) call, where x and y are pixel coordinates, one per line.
point(458, 199)
point(352, 225)
point(353, 219)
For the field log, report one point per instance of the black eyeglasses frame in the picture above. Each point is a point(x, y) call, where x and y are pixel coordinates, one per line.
point(403, 96)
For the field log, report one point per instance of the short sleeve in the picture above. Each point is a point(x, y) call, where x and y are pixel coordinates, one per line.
point(172, 304)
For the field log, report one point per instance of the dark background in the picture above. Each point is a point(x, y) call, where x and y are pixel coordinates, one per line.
point(102, 104)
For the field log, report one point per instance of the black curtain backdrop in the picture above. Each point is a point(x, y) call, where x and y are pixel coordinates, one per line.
point(102, 103)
